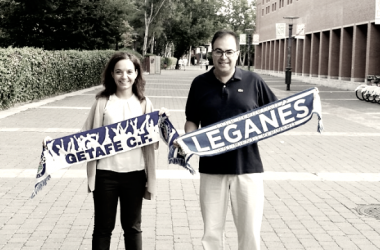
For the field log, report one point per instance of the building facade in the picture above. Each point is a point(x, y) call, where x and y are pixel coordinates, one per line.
point(335, 42)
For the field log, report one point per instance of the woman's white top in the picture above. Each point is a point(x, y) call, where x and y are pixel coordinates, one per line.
point(118, 110)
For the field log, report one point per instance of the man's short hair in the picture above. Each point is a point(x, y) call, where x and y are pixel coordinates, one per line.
point(223, 33)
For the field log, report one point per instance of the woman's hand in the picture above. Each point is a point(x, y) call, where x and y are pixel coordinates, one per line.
point(164, 111)
point(46, 139)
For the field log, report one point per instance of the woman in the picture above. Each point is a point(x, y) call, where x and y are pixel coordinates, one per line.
point(129, 176)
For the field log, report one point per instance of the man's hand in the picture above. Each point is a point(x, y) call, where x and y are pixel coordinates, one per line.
point(190, 127)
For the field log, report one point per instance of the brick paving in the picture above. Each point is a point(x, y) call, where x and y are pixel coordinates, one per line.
point(313, 183)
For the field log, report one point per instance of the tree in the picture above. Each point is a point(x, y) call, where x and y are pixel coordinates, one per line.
point(163, 25)
point(63, 24)
point(129, 36)
point(152, 8)
point(193, 24)
point(239, 16)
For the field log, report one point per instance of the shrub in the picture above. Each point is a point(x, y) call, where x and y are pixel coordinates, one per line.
point(29, 74)
point(170, 62)
point(163, 63)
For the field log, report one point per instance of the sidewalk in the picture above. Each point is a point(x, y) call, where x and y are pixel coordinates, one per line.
point(314, 184)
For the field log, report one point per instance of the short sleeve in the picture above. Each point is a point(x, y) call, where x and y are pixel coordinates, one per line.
point(192, 104)
point(266, 95)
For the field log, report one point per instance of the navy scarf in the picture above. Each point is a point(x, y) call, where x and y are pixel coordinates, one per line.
point(218, 138)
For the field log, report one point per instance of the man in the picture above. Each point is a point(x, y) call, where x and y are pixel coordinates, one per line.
point(219, 94)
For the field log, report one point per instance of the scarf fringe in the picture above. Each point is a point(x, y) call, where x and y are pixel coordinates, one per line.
point(177, 158)
point(38, 187)
point(169, 134)
point(317, 109)
point(320, 124)
point(182, 163)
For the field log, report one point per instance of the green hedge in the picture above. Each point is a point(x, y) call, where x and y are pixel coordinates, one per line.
point(170, 62)
point(29, 74)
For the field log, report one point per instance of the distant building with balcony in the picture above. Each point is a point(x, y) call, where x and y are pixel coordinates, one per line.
point(336, 42)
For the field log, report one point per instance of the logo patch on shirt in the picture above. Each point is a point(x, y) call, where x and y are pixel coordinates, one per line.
point(240, 90)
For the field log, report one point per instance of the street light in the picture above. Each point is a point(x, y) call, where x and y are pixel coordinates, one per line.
point(288, 69)
point(248, 31)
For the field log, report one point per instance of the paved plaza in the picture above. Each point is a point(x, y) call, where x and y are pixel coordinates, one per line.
point(318, 187)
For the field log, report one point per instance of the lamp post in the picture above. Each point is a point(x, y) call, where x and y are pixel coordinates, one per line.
point(288, 69)
point(248, 31)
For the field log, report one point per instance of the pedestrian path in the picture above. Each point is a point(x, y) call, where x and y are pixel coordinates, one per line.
point(184, 174)
point(318, 188)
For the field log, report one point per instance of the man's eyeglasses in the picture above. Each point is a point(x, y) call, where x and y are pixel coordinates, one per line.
point(219, 52)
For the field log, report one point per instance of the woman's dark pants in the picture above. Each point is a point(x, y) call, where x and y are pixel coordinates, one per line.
point(109, 187)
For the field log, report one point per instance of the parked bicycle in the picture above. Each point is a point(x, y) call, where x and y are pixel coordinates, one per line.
point(369, 92)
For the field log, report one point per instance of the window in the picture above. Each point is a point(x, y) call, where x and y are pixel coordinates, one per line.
point(274, 6)
point(262, 12)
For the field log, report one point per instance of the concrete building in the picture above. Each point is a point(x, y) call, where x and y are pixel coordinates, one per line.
point(335, 42)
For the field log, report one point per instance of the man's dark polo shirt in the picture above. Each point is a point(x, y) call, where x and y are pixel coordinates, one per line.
point(211, 101)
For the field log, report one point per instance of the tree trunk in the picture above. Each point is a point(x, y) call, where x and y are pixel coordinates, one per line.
point(152, 44)
point(189, 57)
point(145, 38)
point(166, 50)
point(148, 21)
point(169, 50)
point(177, 64)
